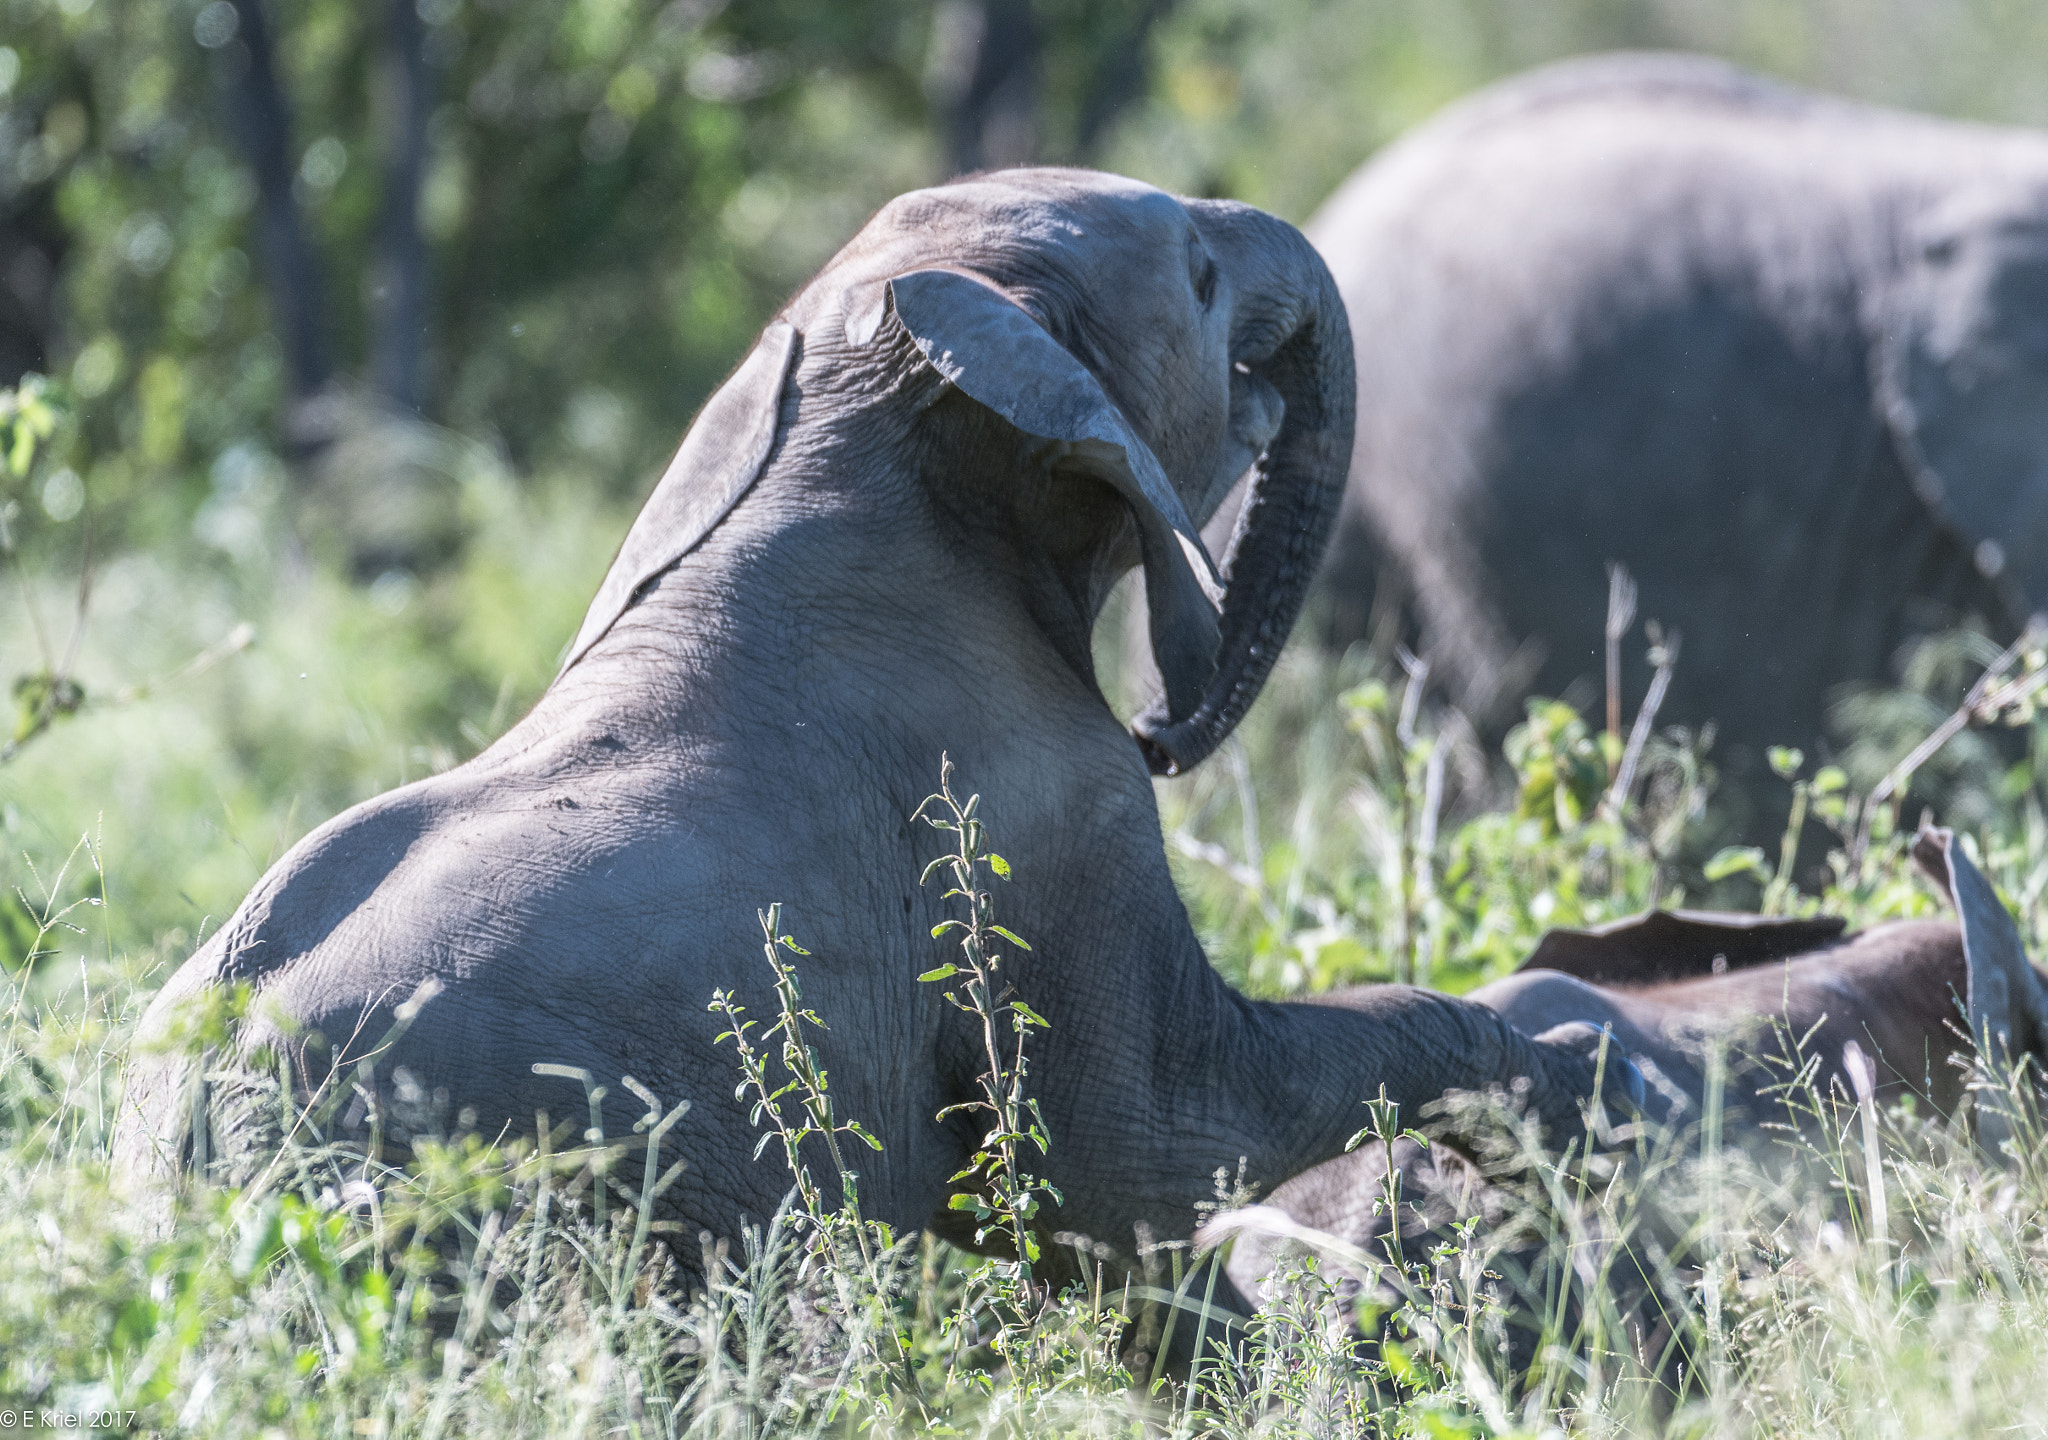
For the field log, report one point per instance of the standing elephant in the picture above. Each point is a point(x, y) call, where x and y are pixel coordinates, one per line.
point(1784, 356)
point(887, 537)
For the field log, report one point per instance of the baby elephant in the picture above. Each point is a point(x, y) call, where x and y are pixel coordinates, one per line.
point(1675, 989)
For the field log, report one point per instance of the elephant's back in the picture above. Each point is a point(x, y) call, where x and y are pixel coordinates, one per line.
point(487, 891)
point(1661, 101)
point(1896, 990)
point(1672, 78)
point(1604, 171)
point(415, 958)
point(1632, 176)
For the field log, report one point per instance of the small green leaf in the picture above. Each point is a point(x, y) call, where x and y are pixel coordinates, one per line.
point(1442, 1425)
point(944, 972)
point(1734, 860)
point(1010, 936)
point(1829, 779)
point(789, 943)
point(1031, 1016)
point(998, 864)
point(1370, 698)
point(1785, 760)
point(942, 927)
point(963, 1202)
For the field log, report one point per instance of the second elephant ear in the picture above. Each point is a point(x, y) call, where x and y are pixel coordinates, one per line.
point(721, 457)
point(2007, 1000)
point(996, 354)
point(1962, 380)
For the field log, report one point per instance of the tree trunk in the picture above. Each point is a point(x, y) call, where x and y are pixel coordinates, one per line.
point(262, 125)
point(1121, 75)
point(984, 80)
point(399, 280)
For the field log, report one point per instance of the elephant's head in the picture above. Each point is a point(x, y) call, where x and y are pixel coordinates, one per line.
point(1962, 373)
point(1064, 326)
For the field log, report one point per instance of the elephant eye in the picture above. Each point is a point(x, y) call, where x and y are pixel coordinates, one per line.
point(1201, 272)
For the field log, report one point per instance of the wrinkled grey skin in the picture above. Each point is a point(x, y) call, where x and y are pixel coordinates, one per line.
point(854, 565)
point(1896, 990)
point(1784, 356)
point(1910, 995)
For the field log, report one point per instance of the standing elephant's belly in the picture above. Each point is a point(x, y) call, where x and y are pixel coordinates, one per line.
point(1644, 453)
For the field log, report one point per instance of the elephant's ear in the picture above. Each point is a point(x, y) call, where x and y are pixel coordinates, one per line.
point(995, 353)
point(1962, 380)
point(2007, 1001)
point(722, 455)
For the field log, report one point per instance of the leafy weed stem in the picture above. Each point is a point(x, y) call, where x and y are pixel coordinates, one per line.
point(808, 1082)
point(1001, 1196)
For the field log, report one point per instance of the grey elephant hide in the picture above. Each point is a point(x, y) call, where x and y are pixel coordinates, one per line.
point(1908, 995)
point(1784, 356)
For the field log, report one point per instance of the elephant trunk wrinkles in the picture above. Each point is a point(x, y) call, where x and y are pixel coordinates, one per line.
point(1296, 490)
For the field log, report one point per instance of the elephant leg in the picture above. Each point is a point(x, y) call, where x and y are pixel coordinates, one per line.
point(1267, 1091)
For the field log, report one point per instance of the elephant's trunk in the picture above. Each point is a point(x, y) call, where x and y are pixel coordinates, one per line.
point(1296, 487)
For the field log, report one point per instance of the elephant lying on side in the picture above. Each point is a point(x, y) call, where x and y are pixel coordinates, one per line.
point(1784, 356)
point(886, 537)
point(1778, 994)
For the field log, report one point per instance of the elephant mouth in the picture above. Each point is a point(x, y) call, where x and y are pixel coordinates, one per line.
point(1257, 412)
point(1257, 409)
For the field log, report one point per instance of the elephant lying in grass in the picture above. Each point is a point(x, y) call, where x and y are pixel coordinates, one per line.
point(886, 537)
point(1781, 1001)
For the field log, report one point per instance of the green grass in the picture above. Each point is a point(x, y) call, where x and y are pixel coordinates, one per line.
point(520, 1292)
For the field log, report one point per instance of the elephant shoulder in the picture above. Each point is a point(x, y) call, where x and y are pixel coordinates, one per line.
point(320, 881)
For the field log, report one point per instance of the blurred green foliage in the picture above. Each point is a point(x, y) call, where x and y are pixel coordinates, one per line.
point(29, 416)
point(1562, 771)
point(614, 195)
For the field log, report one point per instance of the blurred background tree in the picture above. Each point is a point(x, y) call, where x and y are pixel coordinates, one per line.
point(377, 319)
point(552, 226)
